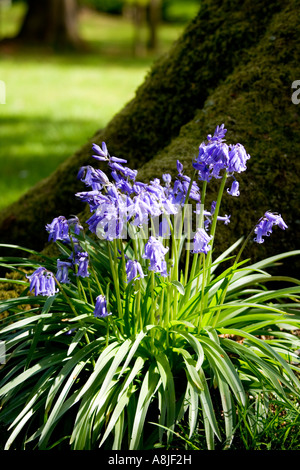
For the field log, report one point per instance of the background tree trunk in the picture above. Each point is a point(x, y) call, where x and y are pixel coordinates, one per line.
point(52, 23)
point(235, 63)
point(153, 18)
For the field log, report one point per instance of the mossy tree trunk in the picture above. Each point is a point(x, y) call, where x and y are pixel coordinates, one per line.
point(235, 63)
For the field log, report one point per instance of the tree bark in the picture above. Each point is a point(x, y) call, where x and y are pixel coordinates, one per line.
point(51, 23)
point(235, 63)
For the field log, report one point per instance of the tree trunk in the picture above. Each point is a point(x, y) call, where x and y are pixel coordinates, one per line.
point(51, 23)
point(153, 19)
point(235, 63)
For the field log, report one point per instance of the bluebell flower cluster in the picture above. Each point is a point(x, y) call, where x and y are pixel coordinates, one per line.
point(124, 200)
point(42, 282)
point(216, 155)
point(60, 228)
point(121, 199)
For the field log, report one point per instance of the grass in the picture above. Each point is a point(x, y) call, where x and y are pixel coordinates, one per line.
point(280, 430)
point(55, 102)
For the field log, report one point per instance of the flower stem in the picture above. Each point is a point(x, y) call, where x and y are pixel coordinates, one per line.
point(214, 224)
point(116, 281)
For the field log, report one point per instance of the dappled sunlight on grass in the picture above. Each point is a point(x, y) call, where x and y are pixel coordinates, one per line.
point(56, 102)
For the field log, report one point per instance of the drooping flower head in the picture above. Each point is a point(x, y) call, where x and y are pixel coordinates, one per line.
point(42, 282)
point(62, 274)
point(201, 241)
point(155, 252)
point(265, 226)
point(234, 190)
point(100, 310)
point(58, 229)
point(134, 270)
point(237, 159)
point(81, 259)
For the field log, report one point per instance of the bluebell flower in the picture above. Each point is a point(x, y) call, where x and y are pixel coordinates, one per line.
point(101, 152)
point(265, 226)
point(75, 225)
point(201, 241)
point(140, 209)
point(62, 274)
point(212, 158)
point(81, 259)
point(219, 134)
point(180, 190)
point(42, 282)
point(92, 198)
point(167, 179)
point(101, 307)
point(237, 159)
point(121, 183)
point(99, 178)
point(225, 219)
point(208, 215)
point(88, 175)
point(179, 167)
point(204, 171)
point(117, 160)
point(134, 270)
point(155, 252)
point(58, 229)
point(216, 155)
point(127, 172)
point(109, 219)
point(234, 190)
point(164, 228)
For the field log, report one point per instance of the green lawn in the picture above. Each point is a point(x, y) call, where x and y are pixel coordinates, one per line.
point(55, 102)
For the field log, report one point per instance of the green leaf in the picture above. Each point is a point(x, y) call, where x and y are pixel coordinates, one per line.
point(123, 398)
point(191, 369)
point(220, 361)
point(45, 363)
point(45, 435)
point(168, 397)
point(38, 329)
point(179, 287)
point(150, 384)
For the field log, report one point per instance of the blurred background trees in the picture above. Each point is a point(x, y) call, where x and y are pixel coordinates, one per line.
point(55, 22)
point(51, 22)
point(57, 97)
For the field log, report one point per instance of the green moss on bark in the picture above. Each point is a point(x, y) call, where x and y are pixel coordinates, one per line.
point(255, 104)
